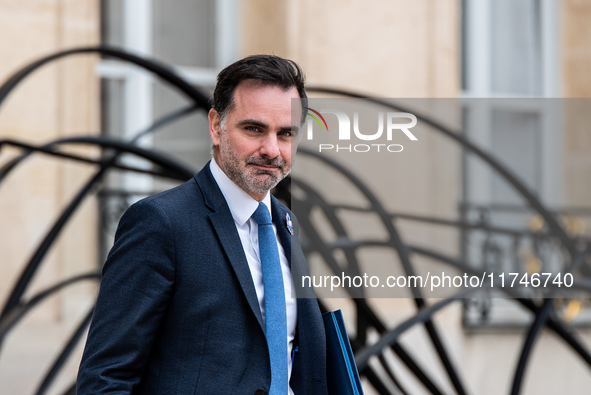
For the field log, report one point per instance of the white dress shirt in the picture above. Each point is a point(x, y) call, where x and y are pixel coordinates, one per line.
point(242, 206)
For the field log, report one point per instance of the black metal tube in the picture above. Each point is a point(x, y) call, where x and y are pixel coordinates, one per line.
point(63, 357)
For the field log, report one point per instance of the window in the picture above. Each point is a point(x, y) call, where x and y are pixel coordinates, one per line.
point(510, 64)
point(198, 38)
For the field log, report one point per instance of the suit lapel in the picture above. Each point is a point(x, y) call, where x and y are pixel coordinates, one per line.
point(225, 228)
point(280, 221)
point(309, 362)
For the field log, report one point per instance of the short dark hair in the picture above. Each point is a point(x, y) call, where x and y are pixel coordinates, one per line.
point(268, 69)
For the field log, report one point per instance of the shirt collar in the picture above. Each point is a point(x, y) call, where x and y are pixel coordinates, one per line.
point(241, 204)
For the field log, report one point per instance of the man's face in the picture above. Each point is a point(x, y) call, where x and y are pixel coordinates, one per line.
point(254, 147)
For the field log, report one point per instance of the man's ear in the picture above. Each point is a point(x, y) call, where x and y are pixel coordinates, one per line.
point(215, 127)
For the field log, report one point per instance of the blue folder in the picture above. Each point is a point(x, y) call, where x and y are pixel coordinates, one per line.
point(341, 371)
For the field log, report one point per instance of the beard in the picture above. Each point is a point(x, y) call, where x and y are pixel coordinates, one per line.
point(252, 180)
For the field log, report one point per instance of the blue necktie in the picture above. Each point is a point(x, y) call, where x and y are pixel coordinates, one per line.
point(275, 314)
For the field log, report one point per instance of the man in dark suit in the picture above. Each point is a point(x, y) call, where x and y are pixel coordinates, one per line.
point(181, 309)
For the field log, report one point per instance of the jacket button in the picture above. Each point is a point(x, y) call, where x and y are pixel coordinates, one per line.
point(260, 392)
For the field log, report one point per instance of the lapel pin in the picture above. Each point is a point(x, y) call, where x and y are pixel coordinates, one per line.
point(289, 224)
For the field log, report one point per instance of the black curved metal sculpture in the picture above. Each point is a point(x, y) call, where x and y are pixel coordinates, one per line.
point(16, 307)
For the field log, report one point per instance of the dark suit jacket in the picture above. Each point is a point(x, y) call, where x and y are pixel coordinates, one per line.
point(177, 311)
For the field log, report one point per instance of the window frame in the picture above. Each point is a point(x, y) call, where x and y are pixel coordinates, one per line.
point(477, 83)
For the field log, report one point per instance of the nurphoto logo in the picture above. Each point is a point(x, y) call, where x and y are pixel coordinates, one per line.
point(396, 124)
